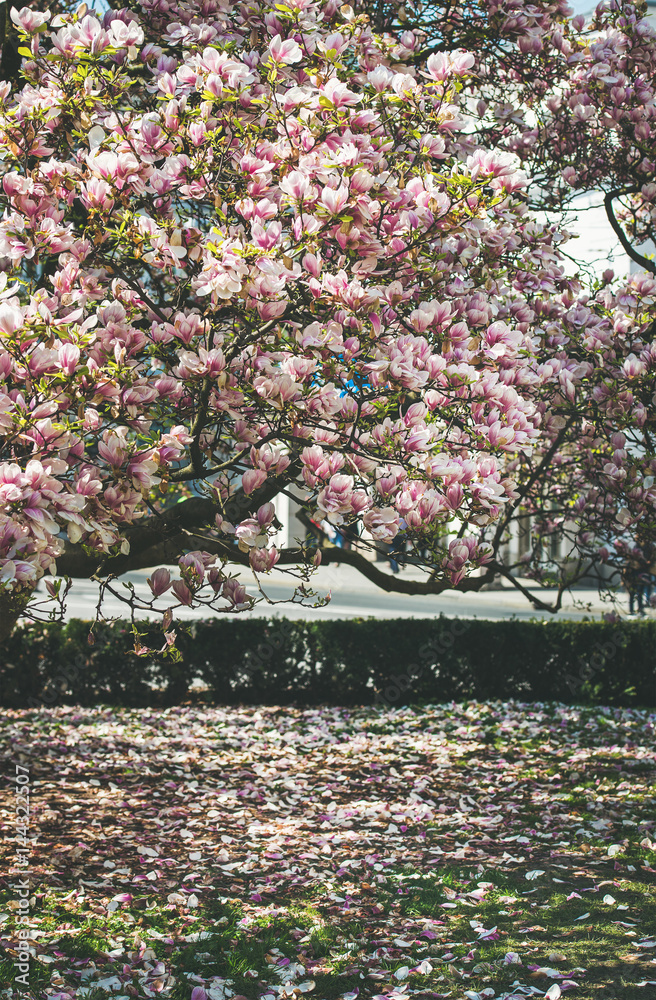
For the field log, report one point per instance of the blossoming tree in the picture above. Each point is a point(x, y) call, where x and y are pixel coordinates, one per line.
point(248, 249)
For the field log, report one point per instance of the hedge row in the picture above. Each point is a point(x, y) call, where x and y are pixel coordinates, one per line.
point(278, 661)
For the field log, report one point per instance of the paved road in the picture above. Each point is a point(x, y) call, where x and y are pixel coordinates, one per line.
point(352, 596)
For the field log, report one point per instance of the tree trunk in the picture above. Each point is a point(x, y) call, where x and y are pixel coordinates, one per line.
point(12, 606)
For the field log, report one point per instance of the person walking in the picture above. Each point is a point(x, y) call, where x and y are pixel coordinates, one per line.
point(398, 545)
point(632, 579)
point(645, 576)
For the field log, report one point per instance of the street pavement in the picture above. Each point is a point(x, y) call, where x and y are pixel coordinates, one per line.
point(353, 596)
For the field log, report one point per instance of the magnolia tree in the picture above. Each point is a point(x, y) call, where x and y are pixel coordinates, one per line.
point(291, 248)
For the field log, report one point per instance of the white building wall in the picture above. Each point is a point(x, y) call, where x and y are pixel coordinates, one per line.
point(292, 531)
point(597, 248)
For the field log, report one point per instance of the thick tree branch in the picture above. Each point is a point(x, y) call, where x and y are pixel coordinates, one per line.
point(167, 552)
point(649, 265)
point(395, 585)
point(78, 564)
point(535, 601)
point(169, 529)
point(196, 468)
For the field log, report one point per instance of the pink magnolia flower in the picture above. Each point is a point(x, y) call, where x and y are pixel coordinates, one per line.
point(125, 34)
point(69, 356)
point(97, 193)
point(334, 199)
point(113, 447)
point(440, 65)
point(159, 582)
point(633, 367)
point(338, 94)
point(88, 484)
point(296, 185)
point(28, 20)
point(11, 318)
point(141, 469)
point(266, 514)
point(263, 560)
point(182, 592)
point(283, 52)
point(252, 479)
point(192, 569)
point(250, 534)
point(235, 594)
point(272, 310)
point(382, 523)
point(335, 498)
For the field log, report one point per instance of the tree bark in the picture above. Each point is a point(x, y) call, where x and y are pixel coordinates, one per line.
point(12, 606)
point(171, 531)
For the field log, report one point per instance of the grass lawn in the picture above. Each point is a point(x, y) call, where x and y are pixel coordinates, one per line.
point(466, 851)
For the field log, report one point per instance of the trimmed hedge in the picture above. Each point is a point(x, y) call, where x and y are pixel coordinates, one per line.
point(356, 662)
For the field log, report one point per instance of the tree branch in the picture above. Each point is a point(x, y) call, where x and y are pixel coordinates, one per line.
point(535, 601)
point(393, 584)
point(165, 552)
point(172, 527)
point(196, 467)
point(533, 478)
point(648, 265)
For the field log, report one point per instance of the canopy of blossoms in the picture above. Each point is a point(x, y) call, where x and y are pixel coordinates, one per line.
point(252, 248)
